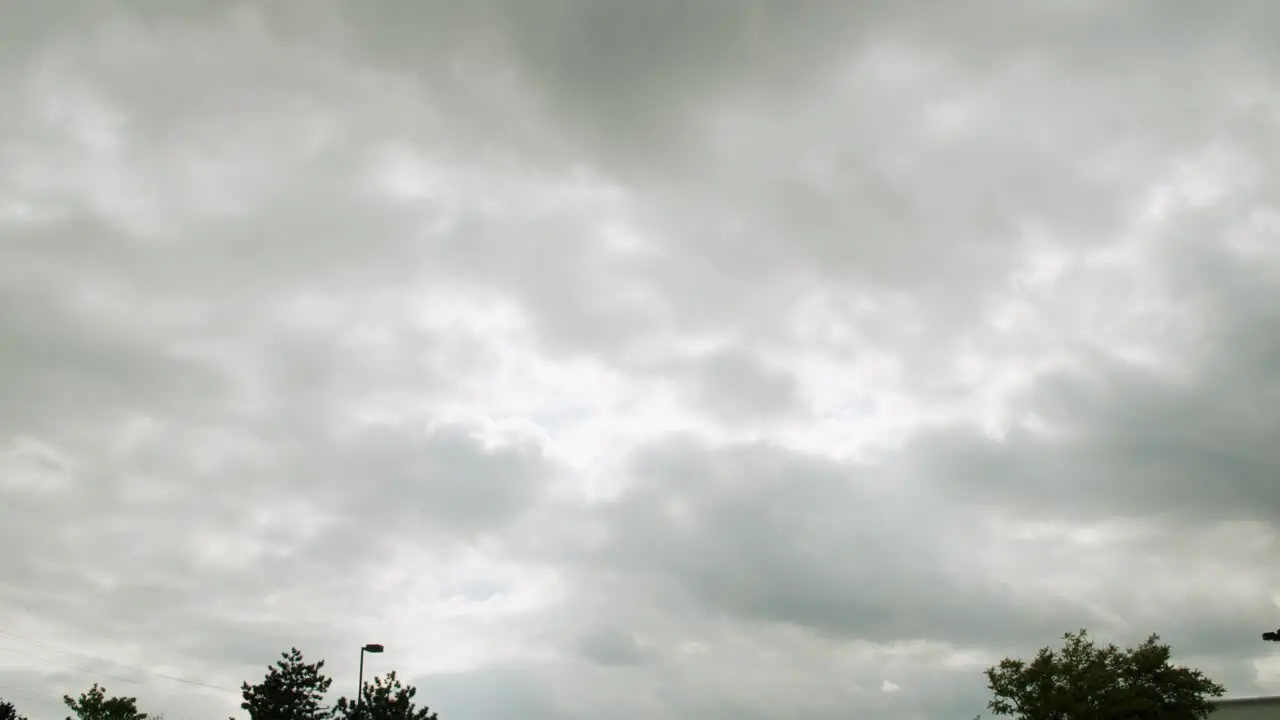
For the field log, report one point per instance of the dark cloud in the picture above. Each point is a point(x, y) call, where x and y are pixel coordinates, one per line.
point(611, 647)
point(1191, 443)
point(777, 537)
point(633, 359)
point(62, 364)
point(442, 480)
point(491, 693)
point(623, 84)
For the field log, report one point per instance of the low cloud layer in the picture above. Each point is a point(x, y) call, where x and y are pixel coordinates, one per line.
point(636, 360)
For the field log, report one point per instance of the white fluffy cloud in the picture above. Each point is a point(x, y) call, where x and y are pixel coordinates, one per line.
point(633, 359)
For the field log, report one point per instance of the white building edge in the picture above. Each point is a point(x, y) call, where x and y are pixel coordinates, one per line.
point(1250, 708)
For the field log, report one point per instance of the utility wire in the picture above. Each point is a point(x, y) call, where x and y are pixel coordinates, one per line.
point(162, 676)
point(75, 668)
point(27, 697)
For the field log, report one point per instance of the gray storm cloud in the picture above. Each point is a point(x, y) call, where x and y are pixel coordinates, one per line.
point(656, 359)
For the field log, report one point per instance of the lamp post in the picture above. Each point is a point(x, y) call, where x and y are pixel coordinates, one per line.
point(370, 648)
point(1271, 636)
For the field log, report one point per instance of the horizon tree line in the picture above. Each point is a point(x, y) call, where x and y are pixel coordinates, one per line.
point(1079, 681)
point(292, 689)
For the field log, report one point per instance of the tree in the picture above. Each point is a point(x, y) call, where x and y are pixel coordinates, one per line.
point(384, 699)
point(1085, 682)
point(96, 705)
point(292, 690)
point(9, 712)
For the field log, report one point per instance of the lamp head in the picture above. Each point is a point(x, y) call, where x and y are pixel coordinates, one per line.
point(372, 648)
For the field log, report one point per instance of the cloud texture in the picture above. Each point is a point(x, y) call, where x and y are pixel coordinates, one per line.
point(634, 359)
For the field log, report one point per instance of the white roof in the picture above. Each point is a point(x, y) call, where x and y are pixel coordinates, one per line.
point(1263, 700)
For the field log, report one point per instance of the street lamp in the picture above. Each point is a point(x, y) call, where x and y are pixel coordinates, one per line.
point(1271, 636)
point(370, 648)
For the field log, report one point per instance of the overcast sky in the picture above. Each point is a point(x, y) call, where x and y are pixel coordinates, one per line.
point(715, 359)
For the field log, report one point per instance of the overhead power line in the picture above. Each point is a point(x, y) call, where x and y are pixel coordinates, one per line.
point(27, 697)
point(127, 666)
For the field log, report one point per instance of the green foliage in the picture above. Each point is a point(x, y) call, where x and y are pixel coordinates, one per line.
point(9, 712)
point(384, 699)
point(292, 690)
point(96, 705)
point(1085, 682)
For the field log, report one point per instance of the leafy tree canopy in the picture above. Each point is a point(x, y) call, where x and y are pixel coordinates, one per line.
point(9, 712)
point(292, 690)
point(1083, 681)
point(384, 699)
point(97, 705)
